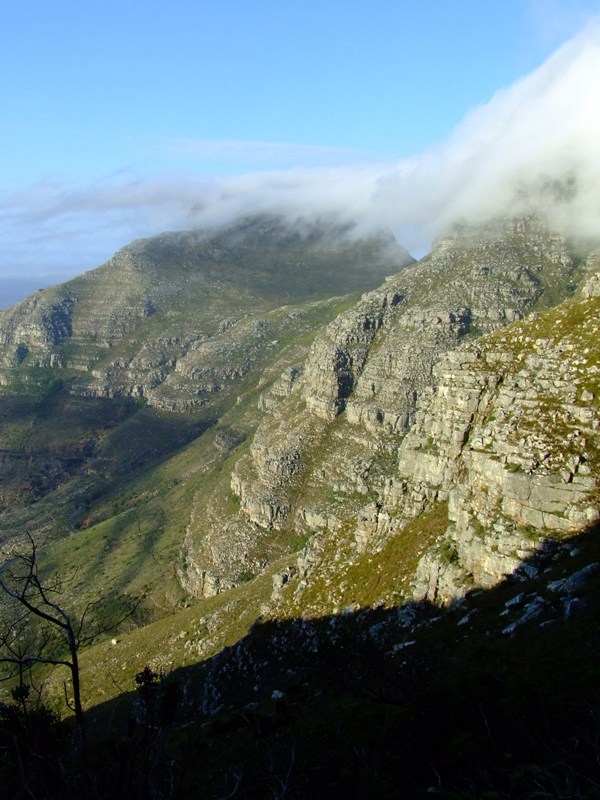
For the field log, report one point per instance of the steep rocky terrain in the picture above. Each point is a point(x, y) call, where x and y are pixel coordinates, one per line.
point(502, 457)
point(110, 373)
point(372, 428)
point(364, 531)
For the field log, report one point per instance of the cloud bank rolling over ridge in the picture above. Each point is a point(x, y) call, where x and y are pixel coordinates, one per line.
point(535, 146)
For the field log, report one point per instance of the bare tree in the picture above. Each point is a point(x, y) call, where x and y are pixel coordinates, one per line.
point(59, 634)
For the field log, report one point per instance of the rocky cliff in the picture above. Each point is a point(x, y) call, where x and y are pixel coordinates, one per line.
point(118, 368)
point(510, 436)
point(181, 316)
point(451, 384)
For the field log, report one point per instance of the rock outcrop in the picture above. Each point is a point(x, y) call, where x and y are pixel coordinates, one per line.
point(413, 397)
point(506, 439)
point(510, 437)
point(181, 316)
point(375, 360)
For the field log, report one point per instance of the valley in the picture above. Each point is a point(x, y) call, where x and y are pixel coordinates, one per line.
point(319, 475)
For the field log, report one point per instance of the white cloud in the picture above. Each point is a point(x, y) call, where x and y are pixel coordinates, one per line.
point(506, 157)
point(555, 20)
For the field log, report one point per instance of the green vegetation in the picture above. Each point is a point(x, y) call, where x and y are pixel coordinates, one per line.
point(343, 578)
point(375, 701)
point(567, 336)
point(126, 474)
point(315, 675)
point(448, 553)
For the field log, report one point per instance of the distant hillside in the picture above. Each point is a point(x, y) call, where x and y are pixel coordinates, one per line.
point(156, 321)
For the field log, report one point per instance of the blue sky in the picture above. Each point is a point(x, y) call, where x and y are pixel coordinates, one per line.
point(118, 118)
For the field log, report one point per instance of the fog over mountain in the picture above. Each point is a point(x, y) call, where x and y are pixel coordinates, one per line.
point(533, 146)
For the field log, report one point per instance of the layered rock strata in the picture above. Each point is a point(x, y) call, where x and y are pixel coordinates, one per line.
point(374, 361)
point(510, 436)
point(178, 317)
point(507, 440)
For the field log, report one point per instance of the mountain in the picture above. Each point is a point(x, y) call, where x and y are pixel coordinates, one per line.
point(115, 369)
point(324, 457)
point(363, 528)
point(156, 320)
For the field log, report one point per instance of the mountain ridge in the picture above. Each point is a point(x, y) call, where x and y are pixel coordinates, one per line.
point(154, 289)
point(379, 353)
point(394, 460)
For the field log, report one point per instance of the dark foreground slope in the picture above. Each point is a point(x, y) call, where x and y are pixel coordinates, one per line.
point(495, 697)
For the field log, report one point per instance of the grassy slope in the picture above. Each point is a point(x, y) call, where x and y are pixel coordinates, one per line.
point(345, 578)
point(202, 630)
point(124, 536)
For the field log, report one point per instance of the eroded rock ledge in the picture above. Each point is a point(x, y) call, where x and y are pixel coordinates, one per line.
point(402, 403)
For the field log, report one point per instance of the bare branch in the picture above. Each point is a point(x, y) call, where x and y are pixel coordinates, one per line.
point(27, 589)
point(30, 579)
point(91, 604)
point(68, 702)
point(42, 631)
point(91, 637)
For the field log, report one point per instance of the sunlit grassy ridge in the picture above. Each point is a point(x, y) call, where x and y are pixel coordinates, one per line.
point(197, 633)
point(345, 579)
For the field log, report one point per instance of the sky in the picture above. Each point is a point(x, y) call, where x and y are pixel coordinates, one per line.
point(121, 120)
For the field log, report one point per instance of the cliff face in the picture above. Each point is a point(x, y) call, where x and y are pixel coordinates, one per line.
point(115, 370)
point(472, 282)
point(39, 324)
point(502, 458)
point(510, 437)
point(449, 417)
point(178, 317)
point(416, 397)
